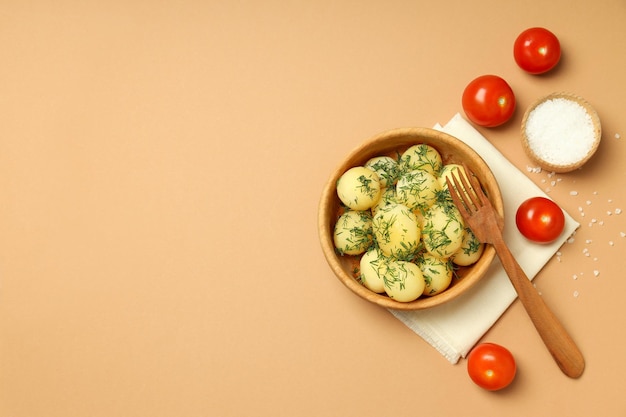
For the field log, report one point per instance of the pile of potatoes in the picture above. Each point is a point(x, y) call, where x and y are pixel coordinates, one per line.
point(400, 219)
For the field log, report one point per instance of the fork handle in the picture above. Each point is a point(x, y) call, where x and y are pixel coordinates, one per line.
point(563, 349)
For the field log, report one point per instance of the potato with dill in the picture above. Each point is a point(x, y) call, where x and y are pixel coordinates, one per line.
point(404, 281)
point(417, 189)
point(470, 251)
point(386, 167)
point(373, 267)
point(353, 232)
point(437, 273)
point(443, 229)
point(396, 231)
point(359, 188)
point(387, 196)
point(423, 157)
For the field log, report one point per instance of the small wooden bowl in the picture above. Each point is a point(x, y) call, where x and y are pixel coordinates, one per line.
point(551, 165)
point(390, 143)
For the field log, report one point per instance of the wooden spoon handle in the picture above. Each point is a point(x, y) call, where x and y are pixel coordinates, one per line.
point(555, 337)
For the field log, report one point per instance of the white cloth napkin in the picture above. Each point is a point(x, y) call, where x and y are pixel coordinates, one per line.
point(455, 327)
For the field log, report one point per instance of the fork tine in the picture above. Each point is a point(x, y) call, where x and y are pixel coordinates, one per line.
point(475, 185)
point(470, 188)
point(458, 196)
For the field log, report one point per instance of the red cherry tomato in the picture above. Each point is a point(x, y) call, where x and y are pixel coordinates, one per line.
point(540, 220)
point(537, 50)
point(488, 101)
point(491, 366)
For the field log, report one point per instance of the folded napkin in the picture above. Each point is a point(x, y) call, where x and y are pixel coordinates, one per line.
point(455, 327)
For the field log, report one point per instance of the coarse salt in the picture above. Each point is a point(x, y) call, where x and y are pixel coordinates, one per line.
point(560, 131)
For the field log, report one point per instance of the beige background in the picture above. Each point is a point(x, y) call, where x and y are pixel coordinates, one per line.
point(160, 169)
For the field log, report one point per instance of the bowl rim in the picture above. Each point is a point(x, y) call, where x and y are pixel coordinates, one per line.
point(595, 119)
point(404, 137)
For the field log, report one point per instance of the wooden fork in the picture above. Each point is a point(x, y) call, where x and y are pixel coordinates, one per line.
point(487, 224)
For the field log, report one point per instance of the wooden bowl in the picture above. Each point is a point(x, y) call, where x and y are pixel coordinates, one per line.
point(390, 143)
point(555, 158)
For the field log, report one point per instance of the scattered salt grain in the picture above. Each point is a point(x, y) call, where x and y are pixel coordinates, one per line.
point(618, 211)
point(617, 136)
point(596, 272)
point(622, 234)
point(588, 202)
point(611, 243)
point(575, 277)
point(576, 294)
point(573, 193)
point(560, 131)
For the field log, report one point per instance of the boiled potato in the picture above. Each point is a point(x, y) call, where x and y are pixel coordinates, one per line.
point(423, 157)
point(387, 196)
point(396, 231)
point(373, 267)
point(404, 281)
point(470, 251)
point(442, 231)
point(417, 189)
point(447, 171)
point(386, 167)
point(359, 188)
point(437, 273)
point(353, 232)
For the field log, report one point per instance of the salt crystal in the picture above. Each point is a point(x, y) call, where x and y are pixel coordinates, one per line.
point(588, 241)
point(617, 136)
point(560, 131)
point(608, 213)
point(596, 272)
point(573, 193)
point(576, 294)
point(553, 183)
point(622, 234)
point(611, 243)
point(575, 276)
point(588, 202)
point(618, 211)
